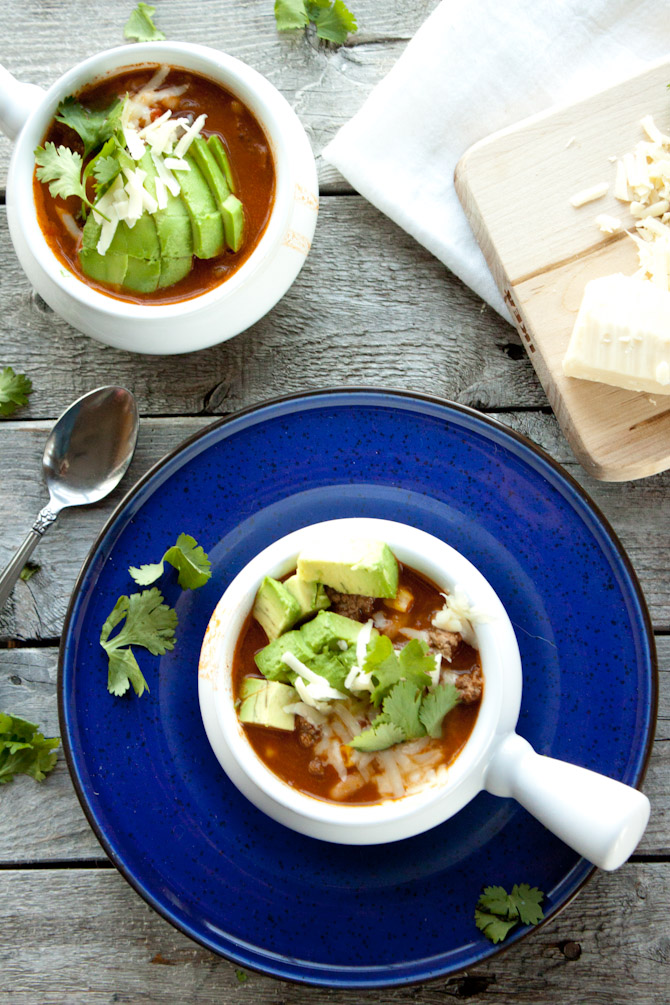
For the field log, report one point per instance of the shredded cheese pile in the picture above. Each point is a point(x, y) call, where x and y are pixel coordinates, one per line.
point(643, 182)
point(168, 140)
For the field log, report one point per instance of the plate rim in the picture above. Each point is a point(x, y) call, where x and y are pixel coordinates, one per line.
point(338, 979)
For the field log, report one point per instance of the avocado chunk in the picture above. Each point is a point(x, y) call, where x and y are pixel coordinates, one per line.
point(218, 151)
point(173, 223)
point(275, 608)
point(206, 222)
point(357, 566)
point(263, 703)
point(312, 597)
point(269, 660)
point(213, 174)
point(232, 214)
point(327, 629)
point(144, 267)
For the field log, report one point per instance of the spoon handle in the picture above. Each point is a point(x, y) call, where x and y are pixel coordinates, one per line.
point(12, 570)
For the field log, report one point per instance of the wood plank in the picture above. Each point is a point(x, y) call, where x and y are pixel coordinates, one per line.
point(37, 608)
point(325, 84)
point(84, 935)
point(408, 323)
point(542, 253)
point(44, 822)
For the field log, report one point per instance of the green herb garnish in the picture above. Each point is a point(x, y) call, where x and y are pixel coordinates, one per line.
point(93, 127)
point(61, 167)
point(24, 750)
point(332, 19)
point(149, 623)
point(14, 390)
point(140, 26)
point(28, 571)
point(187, 557)
point(498, 912)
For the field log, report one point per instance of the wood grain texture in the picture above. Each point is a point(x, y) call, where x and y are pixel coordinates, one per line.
point(36, 609)
point(408, 323)
point(515, 187)
point(324, 84)
point(85, 936)
point(43, 823)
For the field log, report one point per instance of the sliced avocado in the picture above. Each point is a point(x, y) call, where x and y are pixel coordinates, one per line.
point(269, 660)
point(213, 174)
point(312, 597)
point(206, 222)
point(263, 702)
point(357, 566)
point(110, 267)
point(327, 628)
point(215, 144)
point(173, 223)
point(232, 214)
point(144, 266)
point(174, 269)
point(275, 608)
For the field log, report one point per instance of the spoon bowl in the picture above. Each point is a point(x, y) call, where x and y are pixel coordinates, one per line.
point(86, 455)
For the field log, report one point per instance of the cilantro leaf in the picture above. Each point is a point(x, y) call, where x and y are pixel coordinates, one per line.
point(494, 928)
point(415, 664)
point(381, 661)
point(94, 127)
point(24, 750)
point(29, 570)
point(61, 167)
point(105, 170)
point(14, 390)
point(379, 736)
point(187, 557)
point(332, 19)
point(290, 14)
point(140, 26)
point(149, 623)
point(527, 902)
point(497, 912)
point(436, 705)
point(402, 706)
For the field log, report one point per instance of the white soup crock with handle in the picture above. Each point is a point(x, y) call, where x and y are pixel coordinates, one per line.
point(599, 817)
point(228, 309)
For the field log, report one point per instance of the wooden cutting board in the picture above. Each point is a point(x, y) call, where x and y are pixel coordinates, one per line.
point(515, 187)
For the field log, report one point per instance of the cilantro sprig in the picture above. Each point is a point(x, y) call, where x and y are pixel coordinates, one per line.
point(24, 750)
point(498, 912)
point(400, 680)
point(148, 623)
point(14, 390)
point(332, 18)
point(93, 126)
point(187, 557)
point(140, 26)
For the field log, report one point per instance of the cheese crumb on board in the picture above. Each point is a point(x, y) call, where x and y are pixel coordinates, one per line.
point(609, 224)
point(589, 194)
point(622, 335)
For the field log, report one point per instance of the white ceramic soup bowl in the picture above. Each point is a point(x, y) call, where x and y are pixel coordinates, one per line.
point(214, 316)
point(599, 817)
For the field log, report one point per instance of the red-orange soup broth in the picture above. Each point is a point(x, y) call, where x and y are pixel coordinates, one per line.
point(284, 753)
point(248, 152)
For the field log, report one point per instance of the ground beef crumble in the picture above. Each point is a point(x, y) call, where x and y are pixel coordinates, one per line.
point(316, 767)
point(470, 685)
point(307, 733)
point(351, 605)
point(445, 642)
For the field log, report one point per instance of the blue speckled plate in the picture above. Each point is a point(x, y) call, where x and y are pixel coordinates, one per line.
point(183, 836)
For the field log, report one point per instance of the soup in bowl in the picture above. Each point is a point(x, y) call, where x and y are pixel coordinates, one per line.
point(360, 682)
point(161, 197)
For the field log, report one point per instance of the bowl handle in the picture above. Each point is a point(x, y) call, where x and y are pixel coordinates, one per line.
point(17, 101)
point(600, 818)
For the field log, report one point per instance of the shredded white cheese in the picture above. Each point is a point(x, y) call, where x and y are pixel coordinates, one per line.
point(589, 194)
point(459, 615)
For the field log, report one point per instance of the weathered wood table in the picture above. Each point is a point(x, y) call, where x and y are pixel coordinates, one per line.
point(370, 307)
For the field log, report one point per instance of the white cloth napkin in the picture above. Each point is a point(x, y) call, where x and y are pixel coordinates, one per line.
point(474, 67)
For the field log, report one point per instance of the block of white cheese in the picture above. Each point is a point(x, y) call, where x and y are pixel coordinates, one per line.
point(622, 335)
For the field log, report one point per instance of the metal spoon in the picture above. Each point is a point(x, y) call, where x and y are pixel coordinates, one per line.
point(86, 456)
